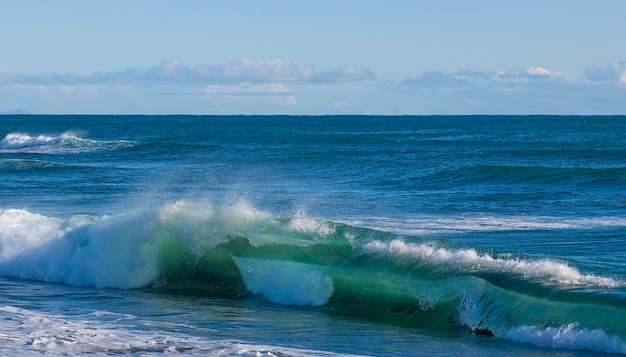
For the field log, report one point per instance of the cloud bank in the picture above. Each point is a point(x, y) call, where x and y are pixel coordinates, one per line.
point(175, 72)
point(277, 86)
point(243, 86)
point(613, 73)
point(535, 90)
point(505, 79)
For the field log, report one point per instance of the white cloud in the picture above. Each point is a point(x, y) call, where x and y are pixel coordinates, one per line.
point(175, 72)
point(506, 80)
point(613, 73)
point(442, 79)
point(263, 71)
point(349, 73)
point(277, 86)
point(535, 90)
point(538, 71)
point(247, 89)
point(276, 93)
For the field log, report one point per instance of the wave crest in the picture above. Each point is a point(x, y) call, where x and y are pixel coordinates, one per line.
point(235, 251)
point(470, 260)
point(68, 142)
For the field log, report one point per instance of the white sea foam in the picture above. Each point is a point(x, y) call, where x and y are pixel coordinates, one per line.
point(427, 225)
point(21, 231)
point(67, 142)
point(471, 260)
point(106, 252)
point(32, 333)
point(567, 337)
point(474, 313)
point(303, 223)
point(122, 251)
point(310, 225)
point(20, 141)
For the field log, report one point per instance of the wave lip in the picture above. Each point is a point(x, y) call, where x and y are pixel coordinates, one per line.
point(67, 142)
point(20, 141)
point(286, 283)
point(470, 260)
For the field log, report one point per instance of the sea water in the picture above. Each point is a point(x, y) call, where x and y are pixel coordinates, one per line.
point(312, 236)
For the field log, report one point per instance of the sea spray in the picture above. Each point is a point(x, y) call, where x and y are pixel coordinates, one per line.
point(83, 250)
point(237, 251)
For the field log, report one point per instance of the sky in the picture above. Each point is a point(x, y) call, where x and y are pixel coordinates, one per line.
point(321, 57)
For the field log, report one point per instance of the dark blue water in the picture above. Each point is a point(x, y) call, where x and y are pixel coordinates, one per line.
point(389, 235)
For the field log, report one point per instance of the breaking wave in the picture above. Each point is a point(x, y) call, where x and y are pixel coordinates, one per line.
point(238, 251)
point(65, 143)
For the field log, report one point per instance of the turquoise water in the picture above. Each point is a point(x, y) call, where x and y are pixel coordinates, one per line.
point(329, 235)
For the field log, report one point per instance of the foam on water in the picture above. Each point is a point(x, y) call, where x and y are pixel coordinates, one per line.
point(80, 249)
point(26, 332)
point(470, 260)
point(441, 225)
point(64, 143)
point(302, 261)
point(83, 250)
point(20, 141)
point(475, 314)
point(309, 225)
point(567, 337)
point(21, 231)
point(122, 251)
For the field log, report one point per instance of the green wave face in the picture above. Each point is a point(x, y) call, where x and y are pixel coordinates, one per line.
point(236, 251)
point(378, 275)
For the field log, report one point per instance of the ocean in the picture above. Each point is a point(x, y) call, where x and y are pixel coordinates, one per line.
point(312, 236)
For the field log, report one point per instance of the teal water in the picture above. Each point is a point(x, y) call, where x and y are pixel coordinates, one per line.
point(342, 235)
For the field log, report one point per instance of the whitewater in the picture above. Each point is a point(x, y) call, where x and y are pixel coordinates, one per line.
point(276, 235)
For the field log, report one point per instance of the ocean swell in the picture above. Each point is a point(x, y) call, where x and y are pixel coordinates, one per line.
point(65, 143)
point(236, 251)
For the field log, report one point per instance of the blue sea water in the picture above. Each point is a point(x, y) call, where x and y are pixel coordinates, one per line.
point(320, 236)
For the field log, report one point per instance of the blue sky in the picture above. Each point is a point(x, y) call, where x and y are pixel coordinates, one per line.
point(313, 57)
